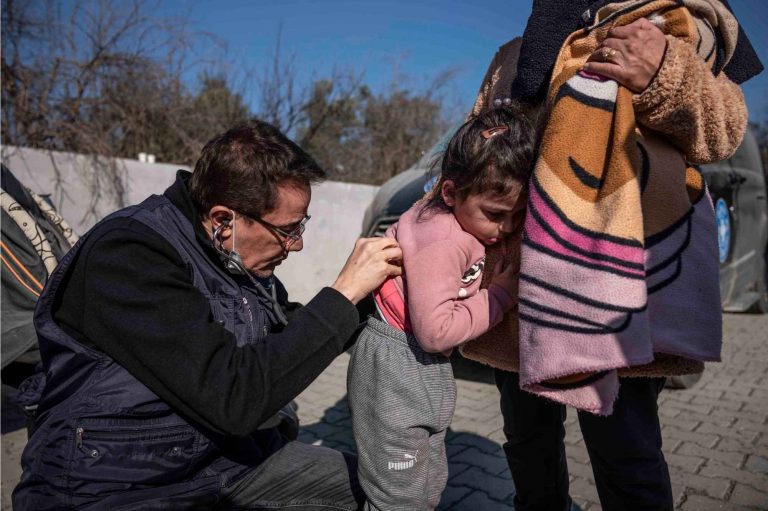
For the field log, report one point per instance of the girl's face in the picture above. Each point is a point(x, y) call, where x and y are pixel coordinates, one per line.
point(486, 216)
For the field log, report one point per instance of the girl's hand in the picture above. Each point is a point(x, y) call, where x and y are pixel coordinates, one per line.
point(508, 278)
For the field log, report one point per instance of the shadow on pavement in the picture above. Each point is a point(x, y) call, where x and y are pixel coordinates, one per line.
point(478, 473)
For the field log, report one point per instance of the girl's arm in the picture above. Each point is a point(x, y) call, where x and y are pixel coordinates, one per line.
point(440, 319)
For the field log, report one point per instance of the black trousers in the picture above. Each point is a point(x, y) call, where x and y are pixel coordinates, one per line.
point(624, 448)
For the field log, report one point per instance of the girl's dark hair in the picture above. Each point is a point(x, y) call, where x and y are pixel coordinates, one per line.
point(477, 164)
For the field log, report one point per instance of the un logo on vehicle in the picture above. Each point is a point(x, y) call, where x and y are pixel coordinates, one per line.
point(723, 219)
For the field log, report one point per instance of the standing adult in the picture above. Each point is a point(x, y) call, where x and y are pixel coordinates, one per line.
point(691, 103)
point(168, 344)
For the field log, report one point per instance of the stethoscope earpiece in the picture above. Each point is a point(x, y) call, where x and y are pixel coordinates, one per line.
point(234, 265)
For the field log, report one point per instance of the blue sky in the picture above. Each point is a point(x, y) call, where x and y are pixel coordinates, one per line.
point(416, 39)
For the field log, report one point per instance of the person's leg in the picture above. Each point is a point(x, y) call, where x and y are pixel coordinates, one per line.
point(438, 459)
point(535, 449)
point(396, 396)
point(625, 449)
point(299, 477)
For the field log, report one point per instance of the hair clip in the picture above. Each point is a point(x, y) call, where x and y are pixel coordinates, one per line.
point(492, 132)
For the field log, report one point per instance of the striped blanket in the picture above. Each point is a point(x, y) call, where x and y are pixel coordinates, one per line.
point(619, 254)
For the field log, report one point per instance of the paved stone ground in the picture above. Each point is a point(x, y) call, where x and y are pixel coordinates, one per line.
point(715, 434)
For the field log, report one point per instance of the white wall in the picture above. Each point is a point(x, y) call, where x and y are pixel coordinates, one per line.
point(75, 189)
point(336, 208)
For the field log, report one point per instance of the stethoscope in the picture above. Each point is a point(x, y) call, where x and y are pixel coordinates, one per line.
point(234, 265)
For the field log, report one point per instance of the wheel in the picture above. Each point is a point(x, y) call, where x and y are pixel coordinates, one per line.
point(683, 381)
point(761, 305)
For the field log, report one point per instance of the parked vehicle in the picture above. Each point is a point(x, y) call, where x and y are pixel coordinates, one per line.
point(738, 189)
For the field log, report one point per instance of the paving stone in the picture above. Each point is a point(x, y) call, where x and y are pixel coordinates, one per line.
point(751, 425)
point(708, 393)
point(735, 445)
point(582, 489)
point(730, 458)
point(455, 469)
point(696, 408)
point(746, 496)
point(710, 418)
point(745, 477)
point(678, 490)
point(743, 435)
point(336, 415)
point(667, 411)
point(684, 421)
point(452, 449)
point(497, 488)
point(498, 436)
point(483, 428)
point(676, 396)
point(701, 503)
point(12, 445)
point(757, 463)
point(452, 495)
point(714, 487)
point(471, 440)
point(583, 470)
point(479, 501)
point(704, 440)
point(324, 430)
point(758, 415)
point(578, 453)
point(494, 464)
point(685, 462)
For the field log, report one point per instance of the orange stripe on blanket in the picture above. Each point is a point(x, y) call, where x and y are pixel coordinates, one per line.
point(18, 277)
point(21, 265)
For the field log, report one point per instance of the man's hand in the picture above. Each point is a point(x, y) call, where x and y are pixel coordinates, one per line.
point(371, 261)
point(631, 55)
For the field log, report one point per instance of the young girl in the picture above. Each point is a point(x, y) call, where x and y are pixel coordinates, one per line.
point(400, 383)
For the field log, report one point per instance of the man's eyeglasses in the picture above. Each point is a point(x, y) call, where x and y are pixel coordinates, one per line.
point(291, 236)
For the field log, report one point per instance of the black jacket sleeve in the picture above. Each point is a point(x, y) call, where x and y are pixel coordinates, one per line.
point(131, 296)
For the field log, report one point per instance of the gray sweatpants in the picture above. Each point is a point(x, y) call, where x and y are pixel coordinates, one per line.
point(402, 400)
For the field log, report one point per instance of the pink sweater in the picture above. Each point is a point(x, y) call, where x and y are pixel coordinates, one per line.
point(441, 283)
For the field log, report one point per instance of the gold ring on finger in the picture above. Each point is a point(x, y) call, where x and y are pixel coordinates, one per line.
point(608, 53)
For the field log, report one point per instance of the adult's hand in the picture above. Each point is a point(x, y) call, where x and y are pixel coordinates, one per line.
point(631, 55)
point(371, 261)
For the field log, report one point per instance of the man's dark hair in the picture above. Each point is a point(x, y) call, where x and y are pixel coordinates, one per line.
point(242, 168)
point(496, 164)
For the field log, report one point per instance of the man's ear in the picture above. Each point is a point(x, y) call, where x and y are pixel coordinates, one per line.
point(448, 192)
point(220, 215)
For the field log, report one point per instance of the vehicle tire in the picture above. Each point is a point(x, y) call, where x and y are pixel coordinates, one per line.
point(683, 381)
point(761, 305)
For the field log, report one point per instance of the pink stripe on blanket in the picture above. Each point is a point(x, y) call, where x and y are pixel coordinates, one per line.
point(633, 255)
point(587, 290)
point(540, 236)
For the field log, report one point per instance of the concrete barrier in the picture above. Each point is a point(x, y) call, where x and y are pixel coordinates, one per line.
point(83, 197)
